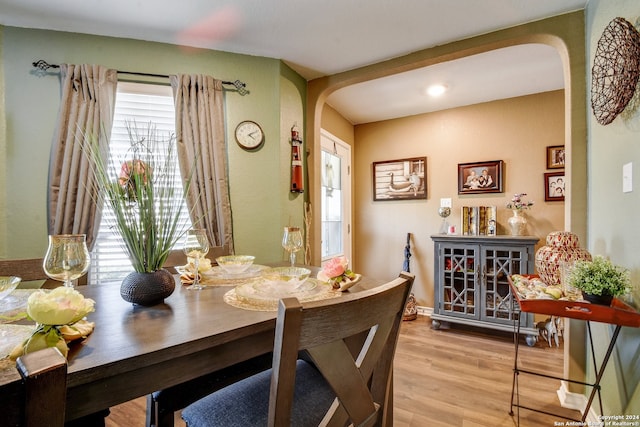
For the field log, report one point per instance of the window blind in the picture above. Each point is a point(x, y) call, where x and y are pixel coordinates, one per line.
point(142, 103)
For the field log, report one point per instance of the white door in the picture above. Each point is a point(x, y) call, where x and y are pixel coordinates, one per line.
point(336, 197)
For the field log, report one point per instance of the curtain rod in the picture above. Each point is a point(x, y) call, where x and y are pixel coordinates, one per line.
point(241, 87)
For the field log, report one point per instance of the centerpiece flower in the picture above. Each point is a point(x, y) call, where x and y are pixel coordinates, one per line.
point(59, 317)
point(337, 274)
point(146, 196)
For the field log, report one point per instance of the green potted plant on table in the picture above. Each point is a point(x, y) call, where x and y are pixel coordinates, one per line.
point(141, 190)
point(599, 280)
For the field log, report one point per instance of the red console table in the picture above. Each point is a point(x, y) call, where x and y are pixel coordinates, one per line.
point(618, 313)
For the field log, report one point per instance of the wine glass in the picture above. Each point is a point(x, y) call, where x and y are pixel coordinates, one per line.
point(292, 242)
point(196, 246)
point(67, 258)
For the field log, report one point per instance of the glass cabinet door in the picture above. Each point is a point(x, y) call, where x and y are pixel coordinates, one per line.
point(498, 263)
point(460, 285)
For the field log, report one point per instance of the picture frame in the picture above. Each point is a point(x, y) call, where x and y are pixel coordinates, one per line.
point(401, 179)
point(554, 186)
point(555, 157)
point(480, 177)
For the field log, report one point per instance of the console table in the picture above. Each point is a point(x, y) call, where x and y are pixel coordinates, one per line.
point(618, 314)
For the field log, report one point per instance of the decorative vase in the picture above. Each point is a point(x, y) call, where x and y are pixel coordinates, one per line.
point(604, 299)
point(517, 223)
point(147, 288)
point(562, 248)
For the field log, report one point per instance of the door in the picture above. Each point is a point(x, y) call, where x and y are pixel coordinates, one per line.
point(335, 197)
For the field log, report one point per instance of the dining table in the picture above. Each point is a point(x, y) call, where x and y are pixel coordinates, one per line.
point(135, 350)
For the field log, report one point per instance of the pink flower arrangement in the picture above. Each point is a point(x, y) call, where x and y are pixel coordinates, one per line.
point(518, 204)
point(335, 271)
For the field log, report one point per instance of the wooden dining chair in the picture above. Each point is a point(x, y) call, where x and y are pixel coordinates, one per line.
point(336, 383)
point(38, 399)
point(29, 270)
point(177, 258)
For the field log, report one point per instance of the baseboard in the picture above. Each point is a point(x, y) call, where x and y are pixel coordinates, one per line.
point(578, 402)
point(424, 311)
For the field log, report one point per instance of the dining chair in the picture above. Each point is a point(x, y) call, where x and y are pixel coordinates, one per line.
point(345, 377)
point(177, 258)
point(39, 399)
point(30, 270)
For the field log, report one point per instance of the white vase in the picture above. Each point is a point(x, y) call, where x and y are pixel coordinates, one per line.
point(517, 223)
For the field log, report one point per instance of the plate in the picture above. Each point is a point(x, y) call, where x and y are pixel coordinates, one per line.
point(265, 294)
point(217, 276)
point(11, 336)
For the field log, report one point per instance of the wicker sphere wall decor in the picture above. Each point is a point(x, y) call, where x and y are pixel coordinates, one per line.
point(615, 72)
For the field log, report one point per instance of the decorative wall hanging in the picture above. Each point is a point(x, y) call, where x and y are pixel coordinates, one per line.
point(615, 72)
point(555, 157)
point(400, 179)
point(480, 177)
point(554, 187)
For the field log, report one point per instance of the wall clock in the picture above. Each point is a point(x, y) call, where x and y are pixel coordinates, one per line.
point(249, 135)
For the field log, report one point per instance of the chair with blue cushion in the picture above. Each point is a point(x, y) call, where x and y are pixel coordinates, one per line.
point(344, 378)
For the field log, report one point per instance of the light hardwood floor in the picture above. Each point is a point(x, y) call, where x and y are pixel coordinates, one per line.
point(451, 377)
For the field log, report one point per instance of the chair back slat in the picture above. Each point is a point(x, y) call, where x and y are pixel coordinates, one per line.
point(322, 330)
point(30, 269)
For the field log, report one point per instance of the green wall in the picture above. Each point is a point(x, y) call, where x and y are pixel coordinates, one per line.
point(260, 197)
point(613, 215)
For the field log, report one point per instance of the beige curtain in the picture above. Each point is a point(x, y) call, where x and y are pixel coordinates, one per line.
point(88, 97)
point(201, 143)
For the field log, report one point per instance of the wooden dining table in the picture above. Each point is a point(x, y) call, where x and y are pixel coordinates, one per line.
point(136, 350)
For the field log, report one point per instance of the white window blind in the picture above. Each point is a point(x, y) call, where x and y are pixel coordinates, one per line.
point(142, 103)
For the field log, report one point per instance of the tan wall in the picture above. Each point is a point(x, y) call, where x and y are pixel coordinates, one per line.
point(334, 123)
point(516, 130)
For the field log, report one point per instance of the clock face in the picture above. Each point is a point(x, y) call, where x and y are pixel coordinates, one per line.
point(249, 135)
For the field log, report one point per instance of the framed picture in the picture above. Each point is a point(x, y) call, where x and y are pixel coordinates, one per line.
point(481, 177)
point(402, 179)
point(555, 157)
point(554, 187)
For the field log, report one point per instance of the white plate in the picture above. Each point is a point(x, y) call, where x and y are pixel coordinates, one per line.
point(217, 276)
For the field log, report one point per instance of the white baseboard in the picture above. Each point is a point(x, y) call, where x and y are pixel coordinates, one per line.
point(424, 311)
point(578, 402)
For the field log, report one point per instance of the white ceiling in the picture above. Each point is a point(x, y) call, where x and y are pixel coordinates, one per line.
point(318, 38)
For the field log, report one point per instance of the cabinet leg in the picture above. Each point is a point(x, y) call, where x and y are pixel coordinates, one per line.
point(435, 324)
point(531, 340)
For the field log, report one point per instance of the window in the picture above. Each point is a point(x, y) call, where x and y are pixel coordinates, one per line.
point(142, 103)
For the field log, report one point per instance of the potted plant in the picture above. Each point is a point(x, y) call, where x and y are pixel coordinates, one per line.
point(599, 280)
point(141, 191)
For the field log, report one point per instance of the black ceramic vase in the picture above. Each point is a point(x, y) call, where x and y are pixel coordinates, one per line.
point(598, 299)
point(147, 288)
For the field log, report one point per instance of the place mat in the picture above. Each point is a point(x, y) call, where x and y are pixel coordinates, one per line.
point(14, 306)
point(321, 291)
point(11, 336)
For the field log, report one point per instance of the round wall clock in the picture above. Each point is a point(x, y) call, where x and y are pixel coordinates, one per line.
point(249, 135)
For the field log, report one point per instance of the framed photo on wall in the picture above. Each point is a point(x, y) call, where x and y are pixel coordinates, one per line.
point(555, 157)
point(480, 177)
point(402, 179)
point(554, 187)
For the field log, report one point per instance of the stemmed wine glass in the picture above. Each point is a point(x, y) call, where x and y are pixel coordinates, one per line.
point(196, 246)
point(67, 258)
point(292, 242)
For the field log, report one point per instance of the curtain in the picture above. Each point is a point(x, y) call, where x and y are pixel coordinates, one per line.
point(201, 144)
point(88, 97)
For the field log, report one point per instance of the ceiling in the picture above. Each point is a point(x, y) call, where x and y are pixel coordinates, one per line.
point(317, 40)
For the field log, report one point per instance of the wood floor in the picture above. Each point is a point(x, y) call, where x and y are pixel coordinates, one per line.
point(451, 377)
